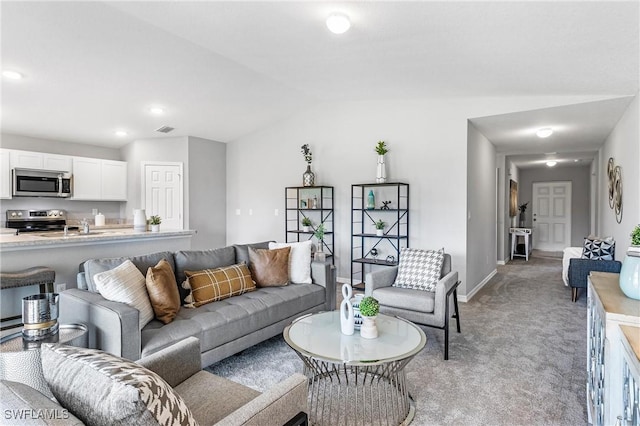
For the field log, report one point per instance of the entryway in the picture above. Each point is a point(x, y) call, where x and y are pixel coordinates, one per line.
point(163, 193)
point(551, 215)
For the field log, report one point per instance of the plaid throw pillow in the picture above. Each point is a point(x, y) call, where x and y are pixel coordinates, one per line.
point(210, 285)
point(419, 269)
point(599, 248)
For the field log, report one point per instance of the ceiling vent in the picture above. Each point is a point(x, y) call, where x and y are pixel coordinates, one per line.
point(165, 129)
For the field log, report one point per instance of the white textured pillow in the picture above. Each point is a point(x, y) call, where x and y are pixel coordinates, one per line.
point(419, 269)
point(299, 260)
point(126, 284)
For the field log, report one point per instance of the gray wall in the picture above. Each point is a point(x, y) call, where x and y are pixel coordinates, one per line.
point(580, 178)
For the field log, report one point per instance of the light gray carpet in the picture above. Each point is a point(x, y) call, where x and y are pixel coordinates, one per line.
point(520, 359)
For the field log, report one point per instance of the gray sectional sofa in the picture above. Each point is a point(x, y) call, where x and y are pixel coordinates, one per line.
point(224, 327)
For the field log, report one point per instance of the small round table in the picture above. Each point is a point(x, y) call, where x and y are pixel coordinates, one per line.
point(356, 381)
point(20, 359)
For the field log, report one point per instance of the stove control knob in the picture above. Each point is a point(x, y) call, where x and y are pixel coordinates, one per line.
point(53, 213)
point(19, 214)
point(13, 214)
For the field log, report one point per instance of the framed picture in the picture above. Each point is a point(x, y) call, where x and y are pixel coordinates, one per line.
point(513, 198)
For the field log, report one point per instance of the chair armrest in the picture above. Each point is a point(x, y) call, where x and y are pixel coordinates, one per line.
point(112, 326)
point(276, 406)
point(324, 274)
point(175, 363)
point(446, 285)
point(579, 270)
point(380, 278)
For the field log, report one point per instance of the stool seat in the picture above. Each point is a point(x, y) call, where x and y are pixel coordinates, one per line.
point(38, 275)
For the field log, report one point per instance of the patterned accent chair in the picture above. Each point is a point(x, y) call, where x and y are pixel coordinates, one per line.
point(429, 308)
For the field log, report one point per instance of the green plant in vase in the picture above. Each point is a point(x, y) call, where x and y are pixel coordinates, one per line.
point(380, 225)
point(635, 236)
point(306, 224)
point(155, 222)
point(369, 307)
point(630, 272)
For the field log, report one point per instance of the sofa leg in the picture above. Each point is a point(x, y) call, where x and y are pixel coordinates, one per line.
point(574, 294)
point(455, 305)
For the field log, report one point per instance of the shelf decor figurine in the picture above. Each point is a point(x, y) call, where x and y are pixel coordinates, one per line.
point(523, 215)
point(371, 200)
point(630, 272)
point(381, 170)
point(347, 320)
point(369, 308)
point(308, 177)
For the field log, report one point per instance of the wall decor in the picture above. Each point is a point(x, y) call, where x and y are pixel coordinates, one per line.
point(513, 198)
point(617, 193)
point(610, 178)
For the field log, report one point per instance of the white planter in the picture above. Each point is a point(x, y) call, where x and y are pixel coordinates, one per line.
point(381, 170)
point(380, 232)
point(305, 229)
point(155, 228)
point(139, 220)
point(369, 328)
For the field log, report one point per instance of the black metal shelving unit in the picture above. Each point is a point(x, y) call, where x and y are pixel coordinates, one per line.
point(363, 234)
point(315, 203)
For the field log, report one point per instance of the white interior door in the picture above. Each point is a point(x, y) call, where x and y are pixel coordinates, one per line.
point(162, 189)
point(551, 215)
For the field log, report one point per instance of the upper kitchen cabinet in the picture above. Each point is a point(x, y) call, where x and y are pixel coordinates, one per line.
point(96, 179)
point(39, 161)
point(5, 174)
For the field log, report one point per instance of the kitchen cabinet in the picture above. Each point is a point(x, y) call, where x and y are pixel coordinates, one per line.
point(39, 161)
point(629, 408)
point(607, 310)
point(61, 163)
point(5, 174)
point(95, 179)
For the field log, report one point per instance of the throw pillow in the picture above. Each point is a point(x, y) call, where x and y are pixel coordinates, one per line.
point(103, 389)
point(419, 269)
point(163, 291)
point(210, 285)
point(299, 260)
point(126, 284)
point(597, 248)
point(270, 268)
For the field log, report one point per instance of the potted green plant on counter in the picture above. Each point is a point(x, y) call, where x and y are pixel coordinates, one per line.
point(380, 225)
point(369, 308)
point(155, 222)
point(306, 224)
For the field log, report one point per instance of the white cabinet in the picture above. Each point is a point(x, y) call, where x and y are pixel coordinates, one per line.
point(5, 174)
point(96, 179)
point(607, 309)
point(39, 161)
point(629, 407)
point(62, 163)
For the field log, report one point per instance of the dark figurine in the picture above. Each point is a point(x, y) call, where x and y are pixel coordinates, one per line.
point(385, 205)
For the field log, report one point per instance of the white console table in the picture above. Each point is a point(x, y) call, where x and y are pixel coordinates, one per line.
point(526, 234)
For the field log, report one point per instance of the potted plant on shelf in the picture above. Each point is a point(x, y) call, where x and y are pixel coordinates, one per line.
point(381, 171)
point(369, 308)
point(630, 272)
point(380, 225)
point(306, 223)
point(155, 222)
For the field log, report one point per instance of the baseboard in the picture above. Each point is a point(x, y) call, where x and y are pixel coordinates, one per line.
point(343, 280)
point(467, 297)
point(501, 262)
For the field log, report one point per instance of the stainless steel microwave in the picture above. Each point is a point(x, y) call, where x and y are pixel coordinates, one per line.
point(41, 183)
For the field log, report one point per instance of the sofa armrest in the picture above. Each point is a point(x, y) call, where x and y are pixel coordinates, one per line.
point(579, 270)
point(324, 274)
point(113, 327)
point(20, 405)
point(446, 285)
point(276, 406)
point(380, 278)
point(175, 363)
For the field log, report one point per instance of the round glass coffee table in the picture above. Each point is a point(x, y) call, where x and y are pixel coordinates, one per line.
point(356, 381)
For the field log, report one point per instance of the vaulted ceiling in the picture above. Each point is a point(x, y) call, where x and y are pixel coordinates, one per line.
point(222, 70)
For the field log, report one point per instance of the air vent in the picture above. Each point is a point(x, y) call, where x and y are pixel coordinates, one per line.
point(165, 129)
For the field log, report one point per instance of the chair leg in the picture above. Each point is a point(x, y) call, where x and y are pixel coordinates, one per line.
point(455, 305)
point(446, 340)
point(574, 294)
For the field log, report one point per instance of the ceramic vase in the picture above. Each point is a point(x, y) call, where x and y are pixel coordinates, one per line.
point(155, 228)
point(371, 200)
point(381, 170)
point(630, 273)
point(305, 229)
point(347, 321)
point(308, 177)
point(369, 328)
point(380, 232)
point(139, 220)
point(355, 302)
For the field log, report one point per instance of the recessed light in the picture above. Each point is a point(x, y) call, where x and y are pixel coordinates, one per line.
point(13, 75)
point(156, 110)
point(121, 133)
point(338, 23)
point(544, 133)
point(551, 163)
point(576, 160)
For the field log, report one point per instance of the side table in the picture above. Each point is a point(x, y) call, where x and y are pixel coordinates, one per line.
point(20, 359)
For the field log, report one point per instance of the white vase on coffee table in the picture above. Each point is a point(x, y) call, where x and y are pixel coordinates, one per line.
point(369, 328)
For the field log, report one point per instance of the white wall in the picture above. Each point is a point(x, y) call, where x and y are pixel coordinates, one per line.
point(428, 150)
point(481, 209)
point(623, 145)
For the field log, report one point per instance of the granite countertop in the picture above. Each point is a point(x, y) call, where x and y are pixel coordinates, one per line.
point(101, 234)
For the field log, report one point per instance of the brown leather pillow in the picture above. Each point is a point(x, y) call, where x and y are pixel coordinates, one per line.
point(210, 285)
point(163, 291)
point(269, 268)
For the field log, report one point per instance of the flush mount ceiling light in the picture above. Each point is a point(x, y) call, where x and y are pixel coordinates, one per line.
point(156, 110)
point(13, 75)
point(545, 132)
point(551, 163)
point(338, 23)
point(121, 133)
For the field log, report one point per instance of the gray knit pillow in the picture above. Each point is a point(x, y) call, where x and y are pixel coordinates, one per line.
point(103, 389)
point(419, 269)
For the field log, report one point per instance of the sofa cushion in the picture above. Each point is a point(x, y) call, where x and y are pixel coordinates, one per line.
point(242, 250)
point(197, 260)
point(126, 284)
point(299, 260)
point(419, 269)
point(269, 267)
point(103, 389)
point(163, 291)
point(94, 266)
point(420, 300)
point(210, 285)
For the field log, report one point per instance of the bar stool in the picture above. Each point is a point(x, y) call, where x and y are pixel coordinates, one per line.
point(42, 276)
